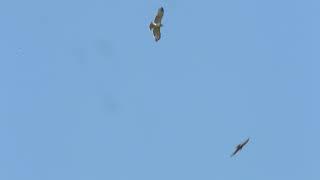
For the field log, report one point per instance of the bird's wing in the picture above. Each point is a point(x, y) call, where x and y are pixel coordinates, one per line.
point(235, 152)
point(244, 143)
point(159, 15)
point(156, 33)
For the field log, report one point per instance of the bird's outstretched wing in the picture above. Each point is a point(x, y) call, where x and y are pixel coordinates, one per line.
point(156, 33)
point(159, 15)
point(235, 152)
point(245, 142)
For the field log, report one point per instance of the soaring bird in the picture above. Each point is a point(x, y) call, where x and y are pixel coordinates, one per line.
point(156, 24)
point(239, 147)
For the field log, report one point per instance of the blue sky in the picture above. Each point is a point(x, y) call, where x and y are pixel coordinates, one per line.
point(86, 93)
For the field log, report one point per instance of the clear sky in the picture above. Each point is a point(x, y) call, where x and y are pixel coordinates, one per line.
point(87, 94)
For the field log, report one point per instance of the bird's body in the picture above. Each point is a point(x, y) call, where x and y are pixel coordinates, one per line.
point(156, 24)
point(239, 147)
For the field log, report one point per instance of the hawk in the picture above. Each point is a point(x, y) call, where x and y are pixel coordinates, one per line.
point(239, 147)
point(156, 24)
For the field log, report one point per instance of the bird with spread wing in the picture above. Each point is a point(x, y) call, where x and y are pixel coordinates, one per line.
point(239, 147)
point(156, 24)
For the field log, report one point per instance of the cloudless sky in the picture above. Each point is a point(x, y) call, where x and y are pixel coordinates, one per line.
point(87, 94)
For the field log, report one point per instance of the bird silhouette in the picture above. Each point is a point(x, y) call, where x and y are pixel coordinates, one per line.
point(239, 147)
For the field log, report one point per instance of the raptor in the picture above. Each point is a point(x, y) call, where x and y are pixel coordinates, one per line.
point(239, 147)
point(156, 24)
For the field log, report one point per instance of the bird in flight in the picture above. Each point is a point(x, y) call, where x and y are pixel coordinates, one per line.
point(156, 24)
point(239, 147)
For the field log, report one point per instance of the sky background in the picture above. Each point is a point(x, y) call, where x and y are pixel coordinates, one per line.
point(87, 94)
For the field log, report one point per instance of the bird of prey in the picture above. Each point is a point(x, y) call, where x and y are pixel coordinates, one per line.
point(239, 147)
point(156, 24)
